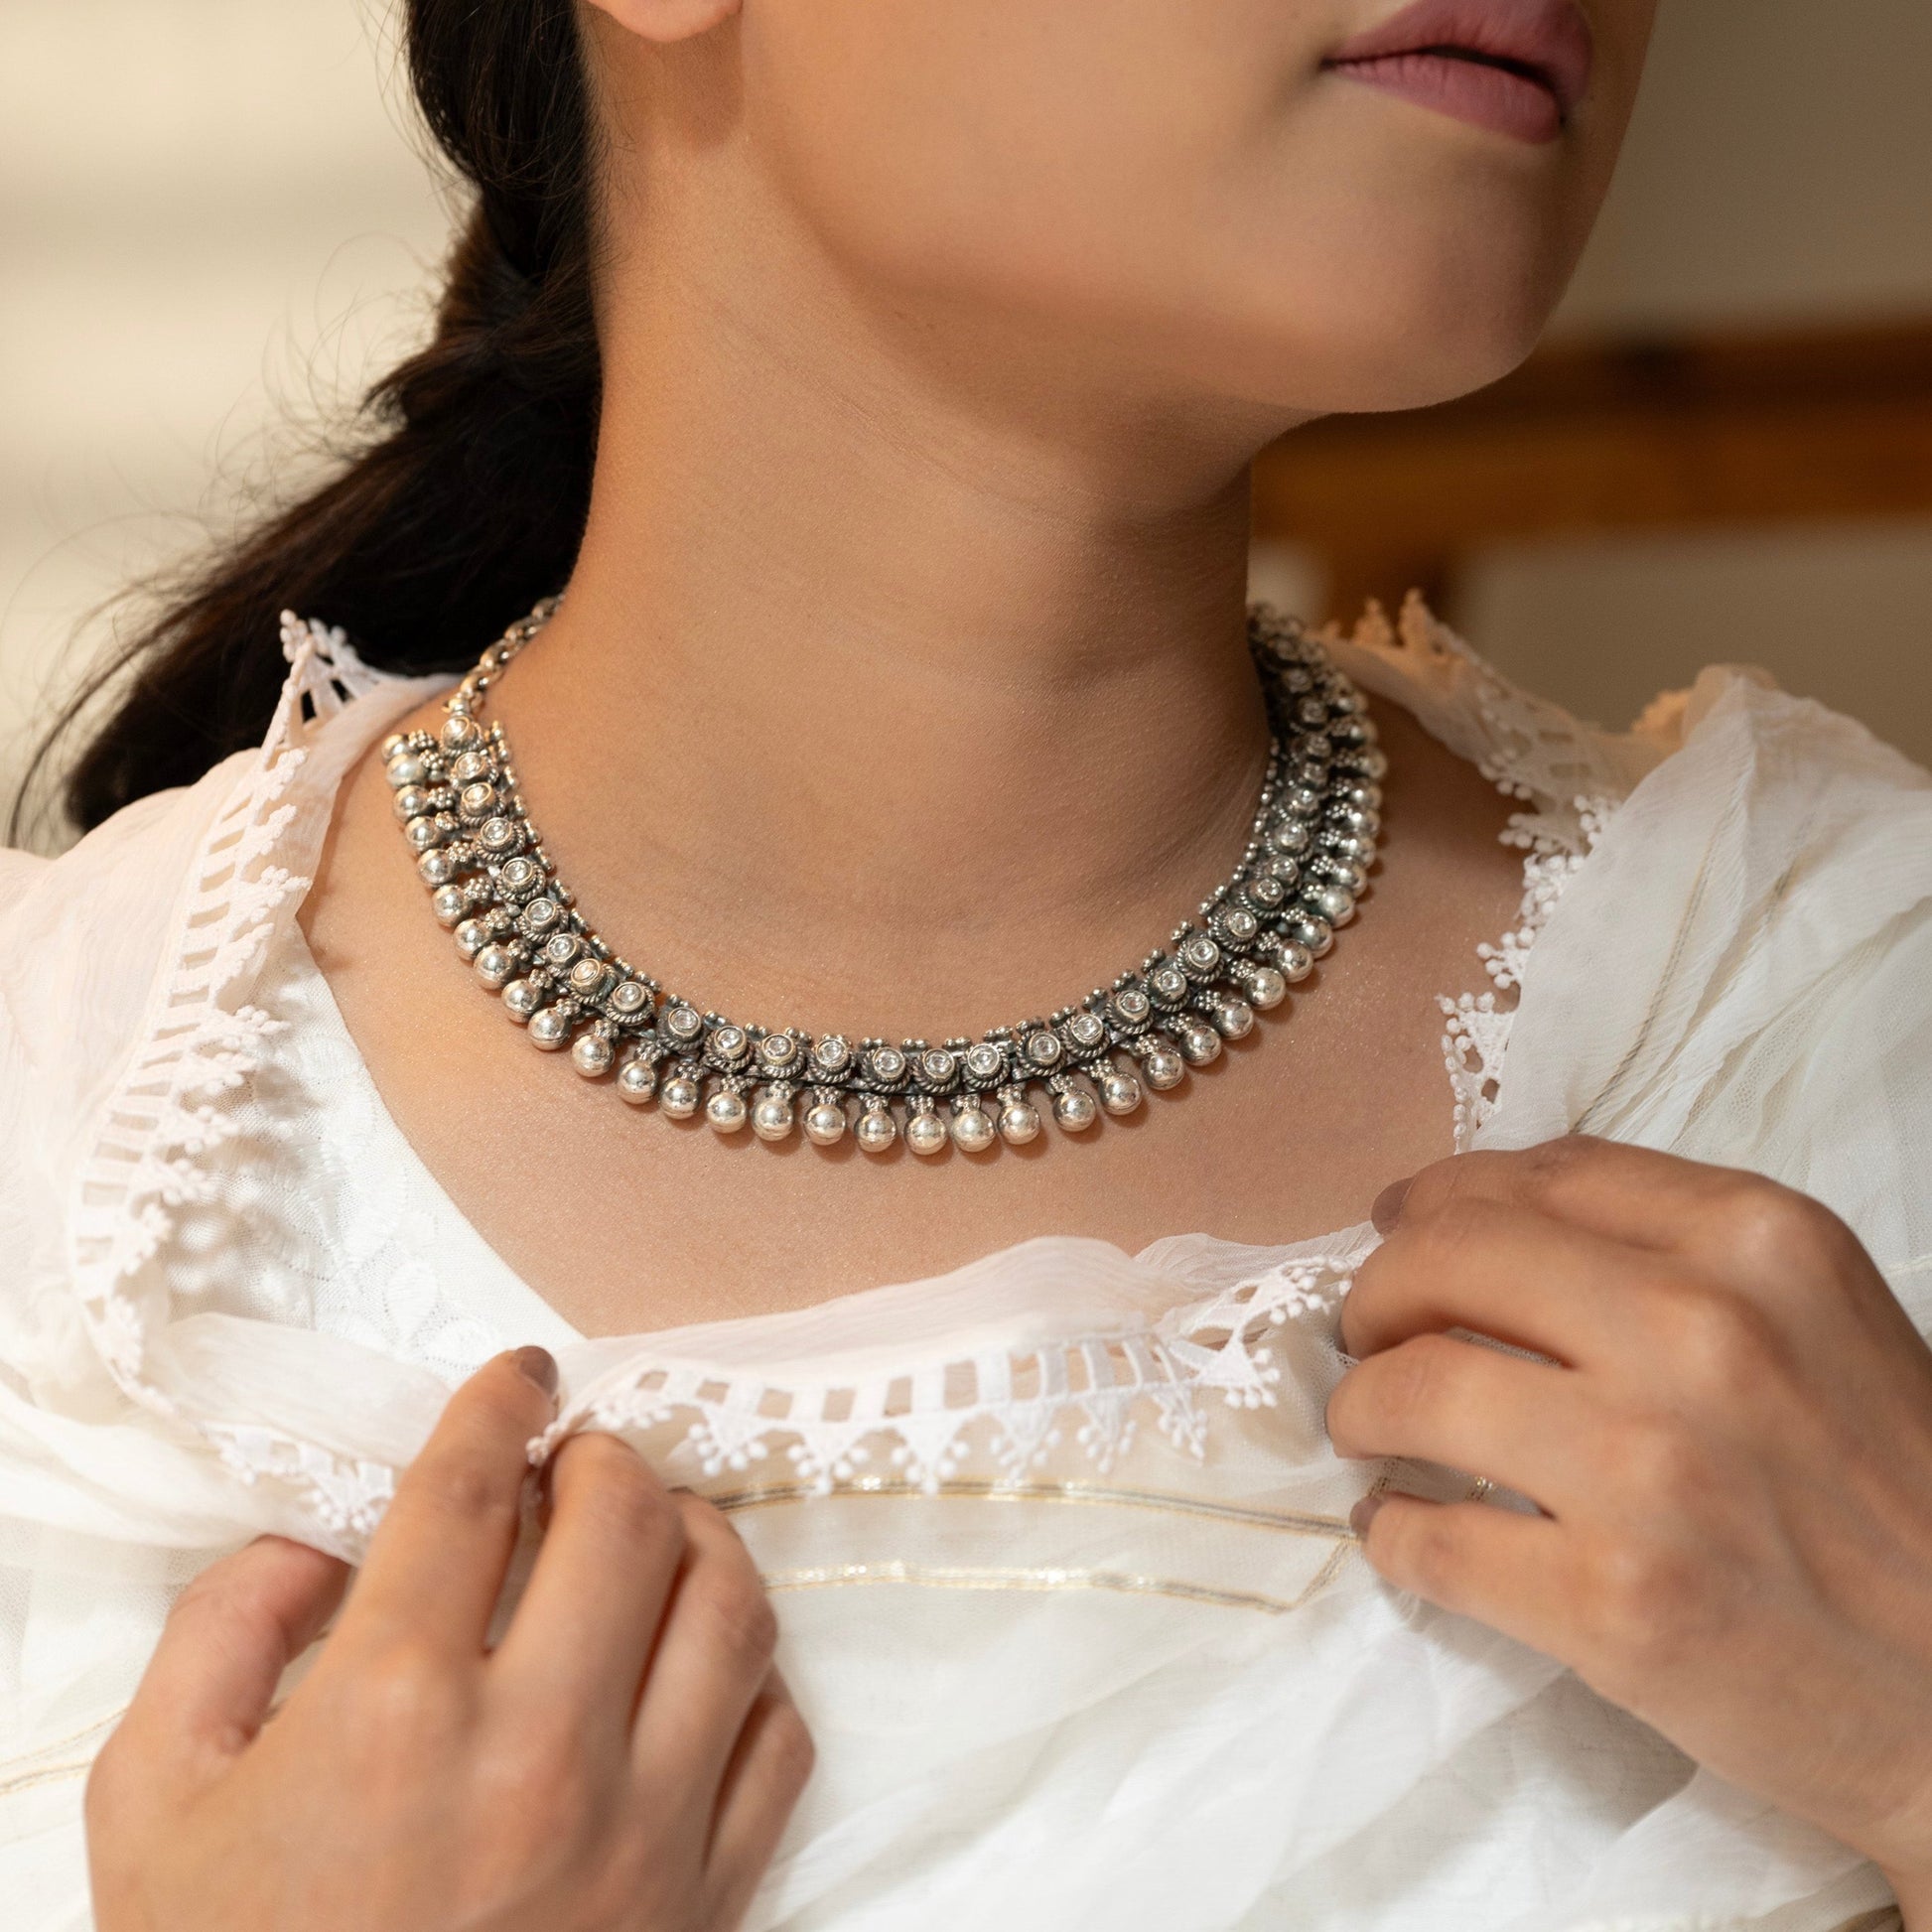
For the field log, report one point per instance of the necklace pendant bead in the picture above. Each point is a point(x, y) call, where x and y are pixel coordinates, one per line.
point(638, 1082)
point(1267, 988)
point(1075, 1110)
point(1120, 1093)
point(1019, 1122)
point(926, 1133)
point(1200, 1045)
point(973, 1131)
point(772, 1118)
point(1234, 1019)
point(725, 1111)
point(680, 1096)
point(550, 1029)
point(876, 1129)
point(592, 1055)
point(825, 1124)
point(495, 965)
point(521, 998)
point(1162, 1064)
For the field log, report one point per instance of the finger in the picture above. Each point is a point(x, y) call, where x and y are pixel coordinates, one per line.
point(1506, 1272)
point(595, 1599)
point(1459, 1403)
point(713, 1654)
point(1623, 1193)
point(1500, 1566)
point(769, 1769)
point(436, 1566)
point(233, 1632)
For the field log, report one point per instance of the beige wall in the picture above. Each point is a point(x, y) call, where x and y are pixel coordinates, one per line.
point(210, 214)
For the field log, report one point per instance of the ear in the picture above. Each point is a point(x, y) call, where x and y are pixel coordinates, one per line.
point(667, 19)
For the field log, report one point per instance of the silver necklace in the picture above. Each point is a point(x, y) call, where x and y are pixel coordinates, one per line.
point(1307, 862)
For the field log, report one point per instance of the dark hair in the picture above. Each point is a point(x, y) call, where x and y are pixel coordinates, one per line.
point(467, 503)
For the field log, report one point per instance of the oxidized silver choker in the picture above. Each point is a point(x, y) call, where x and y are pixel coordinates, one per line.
point(1307, 862)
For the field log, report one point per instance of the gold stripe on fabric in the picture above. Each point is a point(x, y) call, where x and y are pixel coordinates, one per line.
point(1293, 1522)
point(1122, 1582)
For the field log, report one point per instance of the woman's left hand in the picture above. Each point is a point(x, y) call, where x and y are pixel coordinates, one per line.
point(1731, 1445)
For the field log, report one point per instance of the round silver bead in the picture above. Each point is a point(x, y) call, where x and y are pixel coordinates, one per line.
point(973, 1131)
point(405, 769)
point(772, 1118)
point(725, 1111)
point(436, 867)
point(1375, 763)
point(495, 965)
point(1267, 988)
point(521, 999)
point(393, 745)
point(549, 1029)
point(592, 1055)
point(1075, 1110)
point(1289, 837)
point(1333, 902)
point(1365, 794)
point(1234, 1019)
point(825, 1124)
point(1018, 1123)
point(1314, 936)
point(472, 936)
point(680, 1096)
point(638, 1082)
point(877, 1130)
point(1295, 960)
point(927, 1133)
point(1352, 880)
point(1120, 1093)
point(1200, 1045)
point(449, 905)
point(422, 833)
point(412, 801)
point(1164, 1069)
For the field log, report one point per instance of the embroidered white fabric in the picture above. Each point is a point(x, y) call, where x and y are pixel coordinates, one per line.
point(1059, 1549)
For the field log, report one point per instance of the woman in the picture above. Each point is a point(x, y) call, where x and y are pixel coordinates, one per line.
point(879, 386)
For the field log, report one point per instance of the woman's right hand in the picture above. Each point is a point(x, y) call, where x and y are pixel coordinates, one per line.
point(624, 1760)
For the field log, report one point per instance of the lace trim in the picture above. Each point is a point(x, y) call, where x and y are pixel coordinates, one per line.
point(163, 1117)
point(1013, 1407)
point(1530, 750)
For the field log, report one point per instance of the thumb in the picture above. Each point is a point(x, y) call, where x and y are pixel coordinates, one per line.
point(230, 1638)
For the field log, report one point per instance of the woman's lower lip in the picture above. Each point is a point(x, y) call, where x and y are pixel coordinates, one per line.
point(1466, 90)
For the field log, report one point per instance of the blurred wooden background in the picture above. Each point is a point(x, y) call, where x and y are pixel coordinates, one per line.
point(1722, 430)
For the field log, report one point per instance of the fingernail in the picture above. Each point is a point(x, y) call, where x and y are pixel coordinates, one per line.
point(537, 1365)
point(1387, 1210)
point(1363, 1514)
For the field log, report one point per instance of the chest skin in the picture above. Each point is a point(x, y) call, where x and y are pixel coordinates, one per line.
point(626, 1221)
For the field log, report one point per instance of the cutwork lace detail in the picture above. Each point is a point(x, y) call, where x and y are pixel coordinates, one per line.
point(163, 1118)
point(1530, 750)
point(1012, 1408)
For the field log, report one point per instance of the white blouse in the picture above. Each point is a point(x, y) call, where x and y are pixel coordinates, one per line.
point(1060, 1551)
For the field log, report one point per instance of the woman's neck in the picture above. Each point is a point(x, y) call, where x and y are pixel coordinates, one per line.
point(874, 686)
